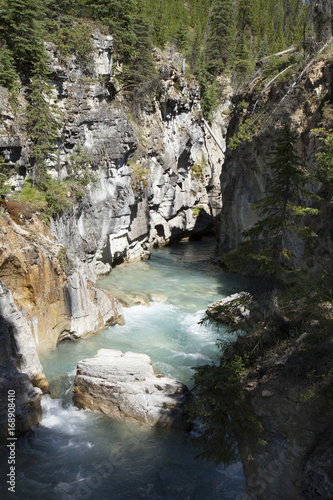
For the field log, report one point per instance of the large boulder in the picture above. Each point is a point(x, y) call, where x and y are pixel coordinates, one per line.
point(124, 385)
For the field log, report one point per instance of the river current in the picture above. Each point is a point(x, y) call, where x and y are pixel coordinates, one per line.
point(79, 454)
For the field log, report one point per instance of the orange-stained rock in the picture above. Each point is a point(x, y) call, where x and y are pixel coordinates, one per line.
point(53, 293)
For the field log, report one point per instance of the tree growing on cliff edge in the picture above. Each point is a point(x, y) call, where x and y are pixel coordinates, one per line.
point(43, 123)
point(265, 249)
point(221, 401)
point(221, 36)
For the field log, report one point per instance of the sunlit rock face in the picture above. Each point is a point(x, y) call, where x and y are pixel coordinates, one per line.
point(158, 173)
point(19, 368)
point(124, 385)
point(54, 297)
point(157, 179)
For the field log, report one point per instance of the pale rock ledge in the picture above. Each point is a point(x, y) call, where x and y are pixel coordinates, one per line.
point(124, 385)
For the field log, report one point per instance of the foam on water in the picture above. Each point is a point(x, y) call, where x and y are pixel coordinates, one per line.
point(80, 454)
point(55, 416)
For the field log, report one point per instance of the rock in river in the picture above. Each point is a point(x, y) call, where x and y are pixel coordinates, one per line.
point(125, 385)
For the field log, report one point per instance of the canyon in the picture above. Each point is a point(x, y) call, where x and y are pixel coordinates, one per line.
point(162, 175)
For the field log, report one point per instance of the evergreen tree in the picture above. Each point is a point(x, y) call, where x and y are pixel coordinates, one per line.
point(43, 124)
point(220, 41)
point(8, 74)
point(246, 15)
point(264, 250)
point(6, 171)
point(118, 15)
point(23, 30)
point(244, 63)
point(140, 66)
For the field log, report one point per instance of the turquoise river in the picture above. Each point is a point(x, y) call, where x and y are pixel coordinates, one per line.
point(79, 454)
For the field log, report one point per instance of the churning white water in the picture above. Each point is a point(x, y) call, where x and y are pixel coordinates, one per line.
point(80, 454)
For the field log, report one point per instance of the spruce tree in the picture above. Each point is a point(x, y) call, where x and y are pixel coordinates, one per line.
point(140, 66)
point(118, 15)
point(23, 30)
point(43, 124)
point(220, 41)
point(244, 63)
point(8, 74)
point(265, 249)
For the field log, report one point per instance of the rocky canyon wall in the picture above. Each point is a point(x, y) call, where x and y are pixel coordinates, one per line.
point(246, 169)
point(157, 179)
point(285, 385)
point(158, 170)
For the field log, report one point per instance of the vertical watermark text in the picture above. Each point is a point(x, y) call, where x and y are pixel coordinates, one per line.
point(11, 441)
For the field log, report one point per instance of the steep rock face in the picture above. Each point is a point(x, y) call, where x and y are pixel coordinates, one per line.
point(19, 367)
point(284, 394)
point(152, 171)
point(246, 170)
point(158, 174)
point(297, 417)
point(54, 296)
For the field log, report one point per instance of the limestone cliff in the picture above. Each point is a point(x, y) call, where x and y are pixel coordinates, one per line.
point(290, 391)
point(288, 383)
point(157, 176)
point(246, 168)
point(158, 169)
point(55, 298)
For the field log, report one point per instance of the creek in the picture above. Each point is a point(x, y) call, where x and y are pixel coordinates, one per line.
point(80, 454)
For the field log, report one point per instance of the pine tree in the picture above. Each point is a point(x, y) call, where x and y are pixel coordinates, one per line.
point(220, 41)
point(43, 124)
point(265, 249)
point(23, 30)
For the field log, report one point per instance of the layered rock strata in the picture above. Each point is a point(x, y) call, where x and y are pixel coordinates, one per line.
point(54, 298)
point(124, 385)
point(158, 169)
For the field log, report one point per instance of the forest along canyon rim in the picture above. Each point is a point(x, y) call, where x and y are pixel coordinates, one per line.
point(81, 452)
point(134, 159)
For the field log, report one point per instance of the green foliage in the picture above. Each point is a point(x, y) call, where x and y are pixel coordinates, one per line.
point(196, 170)
point(196, 211)
point(139, 177)
point(118, 15)
point(246, 131)
point(22, 28)
point(222, 406)
point(325, 155)
point(8, 74)
point(140, 68)
point(43, 123)
point(285, 201)
point(221, 36)
point(79, 168)
point(209, 100)
point(58, 196)
point(32, 196)
point(74, 39)
point(244, 63)
point(5, 173)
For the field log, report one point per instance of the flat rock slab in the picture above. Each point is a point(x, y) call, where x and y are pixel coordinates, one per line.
point(125, 385)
